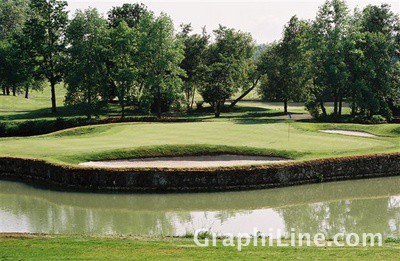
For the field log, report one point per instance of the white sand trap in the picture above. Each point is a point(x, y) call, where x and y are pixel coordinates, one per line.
point(186, 162)
point(350, 133)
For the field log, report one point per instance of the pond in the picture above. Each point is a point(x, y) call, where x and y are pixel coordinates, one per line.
point(359, 206)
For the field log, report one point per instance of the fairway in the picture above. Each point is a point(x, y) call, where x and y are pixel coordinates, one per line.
point(70, 146)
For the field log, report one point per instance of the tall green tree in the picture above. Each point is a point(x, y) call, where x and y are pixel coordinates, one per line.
point(226, 66)
point(13, 14)
point(327, 41)
point(379, 46)
point(86, 73)
point(123, 59)
point(195, 48)
point(22, 73)
point(45, 30)
point(284, 79)
point(160, 55)
point(130, 13)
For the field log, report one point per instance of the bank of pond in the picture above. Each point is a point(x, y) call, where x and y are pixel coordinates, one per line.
point(65, 177)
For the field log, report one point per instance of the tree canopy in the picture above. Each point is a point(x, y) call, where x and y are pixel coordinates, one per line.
point(138, 60)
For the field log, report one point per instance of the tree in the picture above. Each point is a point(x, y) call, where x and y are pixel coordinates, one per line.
point(195, 48)
point(13, 14)
point(330, 29)
point(45, 30)
point(24, 71)
point(273, 82)
point(123, 63)
point(160, 54)
point(371, 60)
point(130, 13)
point(86, 74)
point(256, 69)
point(284, 79)
point(225, 67)
point(379, 46)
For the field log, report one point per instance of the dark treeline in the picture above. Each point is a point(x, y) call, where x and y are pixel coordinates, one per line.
point(135, 58)
point(338, 57)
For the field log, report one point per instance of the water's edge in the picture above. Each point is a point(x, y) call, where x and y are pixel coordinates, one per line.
point(61, 177)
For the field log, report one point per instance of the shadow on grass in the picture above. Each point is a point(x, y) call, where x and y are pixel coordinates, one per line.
point(249, 121)
point(68, 112)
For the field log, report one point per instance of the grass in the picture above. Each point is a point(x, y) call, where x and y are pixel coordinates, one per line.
point(92, 248)
point(298, 140)
point(253, 128)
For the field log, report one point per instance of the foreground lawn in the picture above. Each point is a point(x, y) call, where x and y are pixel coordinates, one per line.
point(61, 247)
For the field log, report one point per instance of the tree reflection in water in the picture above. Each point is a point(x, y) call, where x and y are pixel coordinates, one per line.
point(353, 206)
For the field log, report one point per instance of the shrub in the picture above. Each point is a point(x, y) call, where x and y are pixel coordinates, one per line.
point(199, 104)
point(375, 119)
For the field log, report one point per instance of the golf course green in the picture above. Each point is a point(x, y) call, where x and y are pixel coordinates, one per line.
point(114, 141)
point(253, 128)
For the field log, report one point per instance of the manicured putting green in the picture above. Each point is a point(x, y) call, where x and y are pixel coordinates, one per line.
point(70, 145)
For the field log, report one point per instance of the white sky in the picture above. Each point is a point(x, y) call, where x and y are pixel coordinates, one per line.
point(264, 19)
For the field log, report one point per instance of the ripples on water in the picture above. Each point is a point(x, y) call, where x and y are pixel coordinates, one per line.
point(360, 206)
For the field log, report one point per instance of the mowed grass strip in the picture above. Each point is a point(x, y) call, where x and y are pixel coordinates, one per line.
point(89, 248)
point(297, 139)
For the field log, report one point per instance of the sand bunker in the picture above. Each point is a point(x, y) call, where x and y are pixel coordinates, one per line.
point(186, 162)
point(350, 133)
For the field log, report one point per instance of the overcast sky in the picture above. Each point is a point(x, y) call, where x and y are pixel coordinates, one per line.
point(264, 19)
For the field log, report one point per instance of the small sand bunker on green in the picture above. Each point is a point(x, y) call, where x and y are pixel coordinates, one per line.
point(186, 162)
point(350, 133)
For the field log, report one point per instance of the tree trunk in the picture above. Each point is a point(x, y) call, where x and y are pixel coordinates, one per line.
point(285, 106)
point(335, 106)
point(323, 109)
point(122, 109)
point(217, 109)
point(353, 110)
point(159, 102)
point(340, 106)
point(8, 90)
point(53, 97)
point(14, 90)
point(192, 101)
point(89, 111)
point(27, 92)
point(245, 93)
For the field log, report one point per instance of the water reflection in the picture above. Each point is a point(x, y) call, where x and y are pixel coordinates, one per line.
point(351, 206)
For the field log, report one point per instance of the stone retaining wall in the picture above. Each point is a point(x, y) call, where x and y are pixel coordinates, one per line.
point(180, 180)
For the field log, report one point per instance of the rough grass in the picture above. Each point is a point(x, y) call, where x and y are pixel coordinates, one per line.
point(89, 248)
